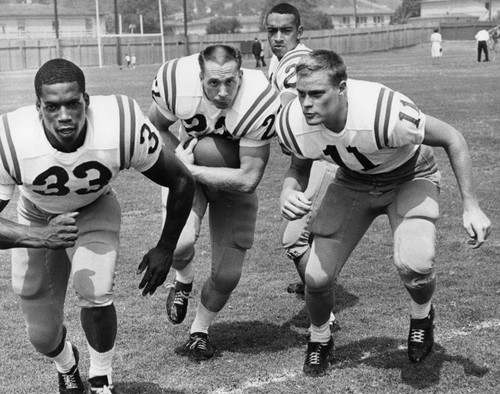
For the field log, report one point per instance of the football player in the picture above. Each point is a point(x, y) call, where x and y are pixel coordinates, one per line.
point(381, 142)
point(63, 153)
point(284, 31)
point(211, 94)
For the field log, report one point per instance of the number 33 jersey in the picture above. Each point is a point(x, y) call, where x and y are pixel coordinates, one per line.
point(383, 130)
point(118, 136)
point(178, 93)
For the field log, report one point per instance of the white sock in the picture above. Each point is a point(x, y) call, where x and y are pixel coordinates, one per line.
point(101, 363)
point(332, 318)
point(185, 275)
point(320, 334)
point(202, 320)
point(66, 359)
point(419, 311)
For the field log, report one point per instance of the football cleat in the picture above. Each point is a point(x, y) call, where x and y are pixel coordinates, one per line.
point(70, 382)
point(318, 358)
point(177, 301)
point(100, 385)
point(296, 288)
point(421, 337)
point(197, 347)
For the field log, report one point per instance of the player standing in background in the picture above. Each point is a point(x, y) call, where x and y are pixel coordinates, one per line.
point(284, 31)
point(212, 95)
point(63, 153)
point(382, 144)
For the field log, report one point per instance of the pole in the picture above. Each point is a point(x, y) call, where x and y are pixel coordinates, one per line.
point(162, 38)
point(355, 14)
point(98, 32)
point(118, 39)
point(186, 38)
point(56, 26)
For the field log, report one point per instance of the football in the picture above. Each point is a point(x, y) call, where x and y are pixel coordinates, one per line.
point(215, 151)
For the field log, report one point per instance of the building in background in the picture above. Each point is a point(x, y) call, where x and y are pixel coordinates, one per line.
point(38, 21)
point(358, 13)
point(459, 10)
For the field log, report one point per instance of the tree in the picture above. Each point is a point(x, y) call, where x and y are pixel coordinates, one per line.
point(222, 25)
point(130, 11)
point(311, 18)
point(407, 9)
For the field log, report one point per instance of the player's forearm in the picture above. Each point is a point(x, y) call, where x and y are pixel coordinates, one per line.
point(14, 235)
point(227, 179)
point(461, 164)
point(179, 203)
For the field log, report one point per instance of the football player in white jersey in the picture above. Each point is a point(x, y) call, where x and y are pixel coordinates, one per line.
point(284, 31)
point(63, 153)
point(210, 94)
point(382, 143)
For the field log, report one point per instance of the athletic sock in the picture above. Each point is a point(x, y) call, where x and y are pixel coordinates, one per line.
point(419, 311)
point(320, 334)
point(185, 275)
point(202, 320)
point(101, 363)
point(66, 359)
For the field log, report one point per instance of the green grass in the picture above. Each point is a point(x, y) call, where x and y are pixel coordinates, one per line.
point(261, 334)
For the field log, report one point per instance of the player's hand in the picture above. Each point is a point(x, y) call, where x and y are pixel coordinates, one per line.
point(294, 204)
point(157, 263)
point(61, 231)
point(477, 225)
point(185, 152)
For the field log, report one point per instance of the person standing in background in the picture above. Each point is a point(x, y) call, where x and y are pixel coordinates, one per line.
point(482, 38)
point(436, 48)
point(257, 51)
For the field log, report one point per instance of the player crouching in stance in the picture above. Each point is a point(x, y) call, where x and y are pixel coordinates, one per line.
point(382, 144)
point(63, 153)
point(211, 94)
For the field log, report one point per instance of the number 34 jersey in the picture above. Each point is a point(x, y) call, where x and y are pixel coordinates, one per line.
point(118, 136)
point(178, 94)
point(383, 130)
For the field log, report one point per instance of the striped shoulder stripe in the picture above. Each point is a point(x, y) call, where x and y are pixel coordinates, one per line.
point(128, 120)
point(382, 117)
point(170, 84)
point(260, 105)
point(285, 130)
point(291, 57)
point(8, 153)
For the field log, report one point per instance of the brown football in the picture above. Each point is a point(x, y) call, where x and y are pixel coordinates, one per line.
point(215, 151)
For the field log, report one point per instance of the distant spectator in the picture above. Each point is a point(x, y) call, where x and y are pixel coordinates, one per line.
point(482, 38)
point(257, 51)
point(127, 60)
point(133, 61)
point(436, 48)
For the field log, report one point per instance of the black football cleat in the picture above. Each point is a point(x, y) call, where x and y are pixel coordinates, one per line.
point(421, 337)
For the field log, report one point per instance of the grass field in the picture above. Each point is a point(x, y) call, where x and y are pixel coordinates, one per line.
point(261, 334)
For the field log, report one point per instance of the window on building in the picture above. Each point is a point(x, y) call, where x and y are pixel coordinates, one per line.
point(89, 24)
point(21, 25)
point(2, 28)
point(361, 20)
point(346, 20)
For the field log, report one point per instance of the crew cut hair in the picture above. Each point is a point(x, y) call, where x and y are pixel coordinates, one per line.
point(322, 59)
point(58, 71)
point(220, 54)
point(285, 8)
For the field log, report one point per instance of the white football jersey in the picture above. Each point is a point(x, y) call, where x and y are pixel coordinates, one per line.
point(384, 129)
point(282, 73)
point(178, 94)
point(118, 137)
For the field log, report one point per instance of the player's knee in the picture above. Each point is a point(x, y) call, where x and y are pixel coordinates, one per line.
point(417, 271)
point(92, 293)
point(319, 283)
point(44, 337)
point(225, 282)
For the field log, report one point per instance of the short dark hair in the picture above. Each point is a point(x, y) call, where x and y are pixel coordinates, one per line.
point(322, 59)
point(58, 71)
point(220, 54)
point(285, 8)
